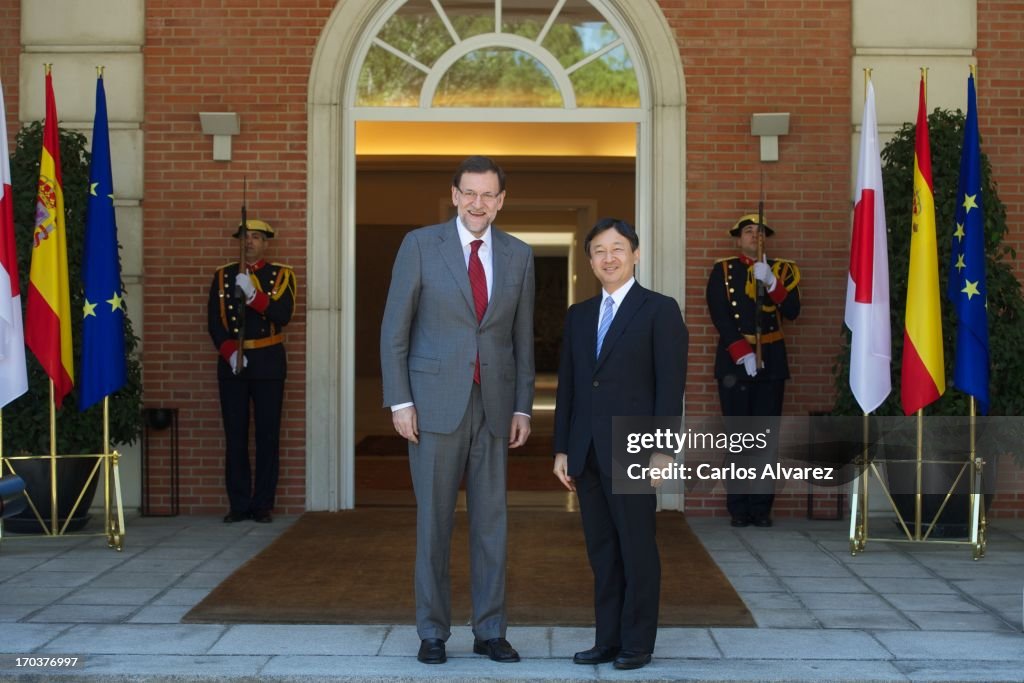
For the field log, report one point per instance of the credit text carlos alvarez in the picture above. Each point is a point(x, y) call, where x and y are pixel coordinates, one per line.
point(669, 441)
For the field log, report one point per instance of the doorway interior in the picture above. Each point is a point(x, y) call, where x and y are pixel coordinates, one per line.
point(552, 201)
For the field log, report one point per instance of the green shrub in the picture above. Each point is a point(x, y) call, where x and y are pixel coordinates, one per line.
point(26, 419)
point(1005, 302)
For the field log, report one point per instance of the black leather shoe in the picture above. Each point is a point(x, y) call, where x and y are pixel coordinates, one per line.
point(498, 649)
point(233, 517)
point(432, 651)
point(596, 655)
point(628, 659)
point(739, 521)
point(262, 517)
point(763, 522)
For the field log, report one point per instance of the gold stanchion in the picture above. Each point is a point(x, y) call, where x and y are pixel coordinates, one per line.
point(113, 507)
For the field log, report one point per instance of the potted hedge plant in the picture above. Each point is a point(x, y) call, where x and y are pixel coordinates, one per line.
point(26, 419)
point(1005, 301)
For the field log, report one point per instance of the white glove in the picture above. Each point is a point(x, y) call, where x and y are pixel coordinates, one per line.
point(244, 283)
point(749, 363)
point(763, 272)
point(233, 362)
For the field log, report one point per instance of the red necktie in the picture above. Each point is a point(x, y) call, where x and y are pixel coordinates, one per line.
point(478, 282)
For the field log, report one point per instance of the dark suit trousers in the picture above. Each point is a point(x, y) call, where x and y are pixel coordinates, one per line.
point(266, 396)
point(619, 531)
point(757, 398)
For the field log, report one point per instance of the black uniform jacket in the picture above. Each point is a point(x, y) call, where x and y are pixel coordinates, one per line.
point(731, 295)
point(269, 312)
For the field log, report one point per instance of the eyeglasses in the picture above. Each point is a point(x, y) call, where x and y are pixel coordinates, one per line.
point(472, 195)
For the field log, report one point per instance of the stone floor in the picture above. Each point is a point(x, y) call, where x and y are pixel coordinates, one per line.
point(896, 612)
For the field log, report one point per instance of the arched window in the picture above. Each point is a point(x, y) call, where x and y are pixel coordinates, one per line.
point(497, 53)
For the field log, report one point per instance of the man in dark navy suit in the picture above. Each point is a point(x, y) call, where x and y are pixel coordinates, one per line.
point(623, 354)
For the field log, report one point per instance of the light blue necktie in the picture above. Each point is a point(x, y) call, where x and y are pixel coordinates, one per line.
point(606, 322)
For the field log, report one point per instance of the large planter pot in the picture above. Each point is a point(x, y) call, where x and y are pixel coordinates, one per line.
point(12, 495)
point(946, 446)
point(71, 476)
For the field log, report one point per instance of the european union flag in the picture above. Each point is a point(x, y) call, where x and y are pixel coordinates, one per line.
point(967, 288)
point(104, 367)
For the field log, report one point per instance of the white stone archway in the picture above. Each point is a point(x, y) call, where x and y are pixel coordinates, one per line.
point(330, 309)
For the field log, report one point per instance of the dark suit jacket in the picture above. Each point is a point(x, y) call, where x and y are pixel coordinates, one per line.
point(641, 372)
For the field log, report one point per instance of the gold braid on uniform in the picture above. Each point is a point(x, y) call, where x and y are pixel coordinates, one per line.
point(785, 272)
point(285, 282)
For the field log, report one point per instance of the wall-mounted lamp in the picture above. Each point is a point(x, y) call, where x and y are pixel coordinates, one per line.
point(221, 125)
point(769, 127)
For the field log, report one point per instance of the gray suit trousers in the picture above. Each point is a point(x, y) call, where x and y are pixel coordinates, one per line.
point(437, 464)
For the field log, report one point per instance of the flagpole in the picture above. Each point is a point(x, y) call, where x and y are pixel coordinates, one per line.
point(106, 463)
point(920, 411)
point(864, 455)
point(920, 465)
point(976, 509)
point(53, 424)
point(53, 462)
point(977, 504)
point(864, 477)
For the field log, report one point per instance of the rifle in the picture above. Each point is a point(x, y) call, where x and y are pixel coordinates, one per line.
point(760, 285)
point(239, 294)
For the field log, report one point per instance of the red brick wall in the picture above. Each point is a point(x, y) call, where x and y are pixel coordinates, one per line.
point(251, 57)
point(1000, 113)
point(10, 48)
point(1001, 103)
point(739, 58)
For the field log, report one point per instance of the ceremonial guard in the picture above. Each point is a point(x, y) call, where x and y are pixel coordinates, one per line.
point(748, 297)
point(247, 312)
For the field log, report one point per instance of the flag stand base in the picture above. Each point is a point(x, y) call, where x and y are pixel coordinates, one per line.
point(105, 467)
point(915, 531)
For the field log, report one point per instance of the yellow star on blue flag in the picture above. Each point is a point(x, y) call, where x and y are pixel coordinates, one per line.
point(967, 267)
point(104, 365)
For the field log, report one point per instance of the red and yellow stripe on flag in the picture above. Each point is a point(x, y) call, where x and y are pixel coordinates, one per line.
point(48, 310)
point(923, 378)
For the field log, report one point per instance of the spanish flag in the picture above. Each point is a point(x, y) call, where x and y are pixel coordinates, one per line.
point(923, 377)
point(48, 313)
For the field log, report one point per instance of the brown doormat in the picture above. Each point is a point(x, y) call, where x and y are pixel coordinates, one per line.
point(382, 464)
point(392, 444)
point(356, 567)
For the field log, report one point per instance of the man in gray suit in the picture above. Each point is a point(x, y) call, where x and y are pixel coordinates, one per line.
point(456, 350)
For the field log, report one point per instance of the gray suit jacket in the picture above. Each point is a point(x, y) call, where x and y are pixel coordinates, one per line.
point(430, 337)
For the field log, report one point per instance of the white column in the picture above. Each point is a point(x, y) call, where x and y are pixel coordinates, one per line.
point(107, 33)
